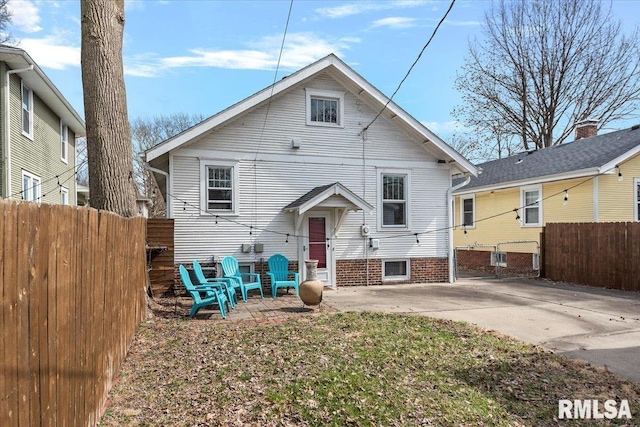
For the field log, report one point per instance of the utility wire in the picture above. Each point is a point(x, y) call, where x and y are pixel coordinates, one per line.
point(412, 65)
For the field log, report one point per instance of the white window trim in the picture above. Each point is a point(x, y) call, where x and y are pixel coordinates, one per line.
point(407, 173)
point(64, 190)
point(636, 202)
point(462, 199)
point(22, 109)
point(339, 96)
point(495, 255)
point(64, 152)
point(396, 278)
point(537, 188)
point(31, 185)
point(235, 209)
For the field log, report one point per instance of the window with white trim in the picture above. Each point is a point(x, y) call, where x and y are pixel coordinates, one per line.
point(395, 269)
point(31, 187)
point(27, 111)
point(393, 199)
point(531, 203)
point(499, 258)
point(64, 142)
point(324, 108)
point(468, 211)
point(219, 187)
point(636, 204)
point(64, 196)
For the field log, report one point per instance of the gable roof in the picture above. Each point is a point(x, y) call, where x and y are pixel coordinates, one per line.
point(319, 194)
point(38, 82)
point(584, 157)
point(346, 76)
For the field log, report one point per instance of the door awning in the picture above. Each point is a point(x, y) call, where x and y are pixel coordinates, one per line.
point(333, 195)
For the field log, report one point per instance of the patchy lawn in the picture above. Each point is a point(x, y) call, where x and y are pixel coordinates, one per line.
point(358, 369)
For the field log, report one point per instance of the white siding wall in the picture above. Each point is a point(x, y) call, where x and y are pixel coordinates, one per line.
point(272, 175)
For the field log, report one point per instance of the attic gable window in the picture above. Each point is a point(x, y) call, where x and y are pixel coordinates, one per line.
point(324, 108)
point(219, 190)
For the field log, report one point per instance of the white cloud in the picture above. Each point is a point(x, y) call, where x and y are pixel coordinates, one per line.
point(51, 52)
point(444, 127)
point(395, 22)
point(463, 23)
point(300, 50)
point(24, 15)
point(133, 5)
point(357, 8)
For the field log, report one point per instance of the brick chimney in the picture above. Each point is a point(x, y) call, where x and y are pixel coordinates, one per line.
point(586, 129)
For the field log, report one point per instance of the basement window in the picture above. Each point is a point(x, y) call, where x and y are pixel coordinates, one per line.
point(395, 269)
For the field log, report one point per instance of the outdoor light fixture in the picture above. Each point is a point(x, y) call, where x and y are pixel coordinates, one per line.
point(566, 197)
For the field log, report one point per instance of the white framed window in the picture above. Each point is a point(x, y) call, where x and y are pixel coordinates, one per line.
point(31, 187)
point(636, 203)
point(531, 203)
point(393, 199)
point(395, 269)
point(324, 108)
point(246, 268)
point(219, 183)
point(499, 258)
point(64, 142)
point(64, 196)
point(27, 111)
point(468, 211)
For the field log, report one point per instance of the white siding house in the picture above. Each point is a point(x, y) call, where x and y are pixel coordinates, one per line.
point(292, 170)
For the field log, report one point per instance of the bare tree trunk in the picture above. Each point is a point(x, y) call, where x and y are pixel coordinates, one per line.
point(109, 151)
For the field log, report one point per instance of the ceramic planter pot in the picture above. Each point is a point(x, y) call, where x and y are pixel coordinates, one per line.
point(311, 289)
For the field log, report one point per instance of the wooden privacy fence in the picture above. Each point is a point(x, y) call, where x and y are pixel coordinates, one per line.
point(597, 254)
point(72, 286)
point(160, 256)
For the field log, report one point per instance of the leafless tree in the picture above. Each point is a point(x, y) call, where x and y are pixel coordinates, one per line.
point(111, 180)
point(147, 132)
point(484, 147)
point(5, 21)
point(545, 65)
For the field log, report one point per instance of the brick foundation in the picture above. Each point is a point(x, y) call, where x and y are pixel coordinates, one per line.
point(353, 272)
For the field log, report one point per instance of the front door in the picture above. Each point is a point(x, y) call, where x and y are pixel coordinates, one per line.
point(319, 245)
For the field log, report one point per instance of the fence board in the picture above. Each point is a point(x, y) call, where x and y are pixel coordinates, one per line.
point(22, 308)
point(9, 416)
point(596, 254)
point(72, 295)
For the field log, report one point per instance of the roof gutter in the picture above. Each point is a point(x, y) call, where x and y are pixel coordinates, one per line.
point(7, 126)
point(452, 277)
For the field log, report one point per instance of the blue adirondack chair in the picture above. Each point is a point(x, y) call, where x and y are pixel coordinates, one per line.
point(231, 270)
point(227, 284)
point(203, 295)
point(280, 275)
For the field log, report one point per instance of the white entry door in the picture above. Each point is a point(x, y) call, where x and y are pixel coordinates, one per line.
point(318, 245)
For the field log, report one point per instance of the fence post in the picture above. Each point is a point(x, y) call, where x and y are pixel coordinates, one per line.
point(543, 254)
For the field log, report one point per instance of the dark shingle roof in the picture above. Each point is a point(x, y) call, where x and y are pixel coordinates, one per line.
point(573, 156)
point(308, 196)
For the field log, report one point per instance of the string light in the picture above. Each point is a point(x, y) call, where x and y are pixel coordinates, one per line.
point(464, 227)
point(184, 207)
point(566, 197)
point(417, 240)
point(250, 230)
point(286, 242)
point(517, 214)
point(216, 219)
point(619, 173)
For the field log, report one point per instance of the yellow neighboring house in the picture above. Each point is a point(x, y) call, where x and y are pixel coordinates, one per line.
point(593, 179)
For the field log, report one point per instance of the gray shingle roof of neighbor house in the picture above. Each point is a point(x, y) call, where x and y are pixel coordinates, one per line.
point(583, 157)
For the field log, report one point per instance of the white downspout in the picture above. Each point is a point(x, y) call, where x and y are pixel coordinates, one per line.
point(7, 123)
point(451, 224)
point(166, 174)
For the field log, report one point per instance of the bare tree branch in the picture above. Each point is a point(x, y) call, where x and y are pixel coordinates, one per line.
point(545, 65)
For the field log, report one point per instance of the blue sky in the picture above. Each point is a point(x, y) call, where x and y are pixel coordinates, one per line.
point(200, 56)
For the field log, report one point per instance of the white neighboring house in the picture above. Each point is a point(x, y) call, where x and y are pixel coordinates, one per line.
point(290, 170)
